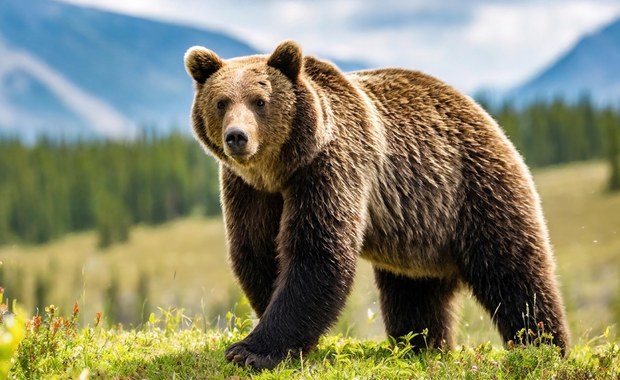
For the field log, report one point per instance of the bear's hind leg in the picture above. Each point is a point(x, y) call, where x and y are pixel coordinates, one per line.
point(411, 305)
point(519, 293)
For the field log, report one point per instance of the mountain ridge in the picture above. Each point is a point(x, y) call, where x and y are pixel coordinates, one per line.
point(119, 68)
point(73, 71)
point(110, 74)
point(589, 68)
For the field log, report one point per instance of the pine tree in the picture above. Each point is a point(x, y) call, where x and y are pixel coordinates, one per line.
point(113, 221)
point(613, 150)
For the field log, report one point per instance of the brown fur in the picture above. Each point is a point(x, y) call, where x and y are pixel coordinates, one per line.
point(390, 165)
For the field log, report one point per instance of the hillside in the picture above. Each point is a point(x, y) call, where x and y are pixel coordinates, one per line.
point(589, 67)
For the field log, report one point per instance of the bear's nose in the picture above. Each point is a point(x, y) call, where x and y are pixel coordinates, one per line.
point(235, 138)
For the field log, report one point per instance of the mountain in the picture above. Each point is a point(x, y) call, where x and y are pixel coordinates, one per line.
point(591, 67)
point(71, 71)
point(76, 71)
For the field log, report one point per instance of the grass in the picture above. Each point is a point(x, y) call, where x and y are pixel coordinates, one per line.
point(55, 348)
point(185, 261)
point(584, 222)
point(187, 266)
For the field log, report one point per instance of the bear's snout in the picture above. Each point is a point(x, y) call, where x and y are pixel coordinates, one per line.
point(236, 140)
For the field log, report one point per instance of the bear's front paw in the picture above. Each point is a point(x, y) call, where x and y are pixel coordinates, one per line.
point(244, 354)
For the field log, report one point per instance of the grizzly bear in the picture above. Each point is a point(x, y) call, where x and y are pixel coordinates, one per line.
point(319, 168)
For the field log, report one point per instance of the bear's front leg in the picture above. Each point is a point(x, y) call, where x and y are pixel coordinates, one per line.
point(318, 243)
point(252, 222)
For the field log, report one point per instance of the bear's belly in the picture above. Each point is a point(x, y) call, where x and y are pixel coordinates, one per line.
point(414, 262)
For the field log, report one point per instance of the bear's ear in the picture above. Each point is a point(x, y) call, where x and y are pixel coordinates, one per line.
point(288, 59)
point(201, 63)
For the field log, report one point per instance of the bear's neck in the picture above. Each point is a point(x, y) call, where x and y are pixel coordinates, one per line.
point(267, 176)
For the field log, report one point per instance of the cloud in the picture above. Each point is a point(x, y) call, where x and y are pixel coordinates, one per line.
point(429, 16)
point(524, 38)
point(469, 44)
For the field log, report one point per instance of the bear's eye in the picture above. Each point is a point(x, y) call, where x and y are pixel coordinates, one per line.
point(221, 105)
point(260, 103)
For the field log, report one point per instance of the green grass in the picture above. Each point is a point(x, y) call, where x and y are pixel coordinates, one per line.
point(55, 348)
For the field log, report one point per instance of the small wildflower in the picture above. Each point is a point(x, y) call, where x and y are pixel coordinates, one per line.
point(74, 315)
point(35, 323)
point(50, 310)
point(97, 318)
point(474, 368)
point(3, 310)
point(56, 325)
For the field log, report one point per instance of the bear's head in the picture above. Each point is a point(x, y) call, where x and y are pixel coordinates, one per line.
point(244, 108)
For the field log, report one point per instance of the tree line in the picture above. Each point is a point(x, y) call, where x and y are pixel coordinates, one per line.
point(51, 188)
point(557, 132)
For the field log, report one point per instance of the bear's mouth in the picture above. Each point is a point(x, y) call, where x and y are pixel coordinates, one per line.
point(239, 157)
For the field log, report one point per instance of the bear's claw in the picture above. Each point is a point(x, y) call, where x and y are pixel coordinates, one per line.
point(240, 353)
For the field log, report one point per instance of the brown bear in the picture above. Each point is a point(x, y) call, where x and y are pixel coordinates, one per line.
point(319, 168)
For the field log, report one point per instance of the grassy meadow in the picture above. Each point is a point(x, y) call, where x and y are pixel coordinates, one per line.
point(54, 348)
point(184, 266)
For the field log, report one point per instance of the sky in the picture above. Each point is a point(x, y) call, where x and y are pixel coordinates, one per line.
point(471, 44)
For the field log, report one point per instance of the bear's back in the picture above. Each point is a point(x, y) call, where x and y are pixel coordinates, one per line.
point(431, 123)
point(400, 93)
